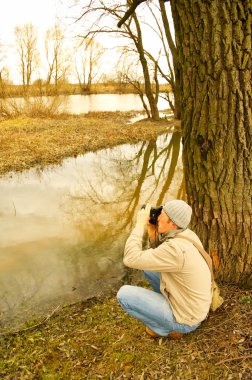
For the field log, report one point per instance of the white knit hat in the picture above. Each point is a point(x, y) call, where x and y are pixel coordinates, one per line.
point(179, 212)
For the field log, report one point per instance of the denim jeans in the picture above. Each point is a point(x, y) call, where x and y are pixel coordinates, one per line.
point(151, 307)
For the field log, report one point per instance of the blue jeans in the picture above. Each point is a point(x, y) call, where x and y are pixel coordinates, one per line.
point(151, 307)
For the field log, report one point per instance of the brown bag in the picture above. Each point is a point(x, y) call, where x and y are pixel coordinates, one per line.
point(217, 300)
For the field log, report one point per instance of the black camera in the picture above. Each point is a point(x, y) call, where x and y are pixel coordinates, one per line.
point(154, 214)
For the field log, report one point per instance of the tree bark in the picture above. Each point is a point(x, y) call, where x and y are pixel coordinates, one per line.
point(213, 39)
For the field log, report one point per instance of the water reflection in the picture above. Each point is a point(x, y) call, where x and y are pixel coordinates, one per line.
point(64, 228)
point(77, 104)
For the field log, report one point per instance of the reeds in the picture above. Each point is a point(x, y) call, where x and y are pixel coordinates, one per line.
point(31, 107)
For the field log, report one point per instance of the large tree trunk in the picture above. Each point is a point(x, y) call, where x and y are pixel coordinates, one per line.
point(214, 45)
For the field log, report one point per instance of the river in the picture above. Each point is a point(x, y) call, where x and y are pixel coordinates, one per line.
point(77, 104)
point(106, 102)
point(63, 228)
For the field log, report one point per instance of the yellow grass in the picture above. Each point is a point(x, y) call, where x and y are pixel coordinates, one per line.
point(27, 142)
point(71, 89)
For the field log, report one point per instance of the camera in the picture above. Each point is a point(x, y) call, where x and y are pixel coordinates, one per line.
point(154, 214)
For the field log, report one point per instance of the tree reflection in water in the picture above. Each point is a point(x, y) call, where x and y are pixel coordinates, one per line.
point(75, 250)
point(105, 205)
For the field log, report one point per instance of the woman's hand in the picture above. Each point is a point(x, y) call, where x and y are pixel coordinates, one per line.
point(143, 216)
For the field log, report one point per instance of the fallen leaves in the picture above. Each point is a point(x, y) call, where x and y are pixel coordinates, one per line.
point(98, 340)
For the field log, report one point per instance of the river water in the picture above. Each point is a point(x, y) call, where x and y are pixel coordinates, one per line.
point(106, 102)
point(77, 104)
point(63, 228)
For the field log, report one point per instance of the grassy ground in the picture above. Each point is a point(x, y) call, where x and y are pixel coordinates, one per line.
point(28, 142)
point(96, 339)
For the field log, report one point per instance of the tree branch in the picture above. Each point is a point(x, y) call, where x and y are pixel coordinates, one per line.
point(131, 10)
point(31, 327)
point(232, 359)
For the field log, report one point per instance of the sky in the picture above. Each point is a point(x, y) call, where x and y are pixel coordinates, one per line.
point(42, 14)
point(16, 12)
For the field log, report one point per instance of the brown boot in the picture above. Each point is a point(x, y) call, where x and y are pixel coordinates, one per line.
point(175, 335)
point(172, 335)
point(151, 333)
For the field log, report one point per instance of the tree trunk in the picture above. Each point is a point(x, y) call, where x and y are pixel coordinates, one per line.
point(175, 82)
point(147, 82)
point(214, 45)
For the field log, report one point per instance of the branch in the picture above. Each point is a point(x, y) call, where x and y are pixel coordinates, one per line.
point(31, 327)
point(166, 77)
point(131, 10)
point(232, 359)
point(171, 44)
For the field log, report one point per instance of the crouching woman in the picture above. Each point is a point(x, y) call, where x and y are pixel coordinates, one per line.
point(178, 274)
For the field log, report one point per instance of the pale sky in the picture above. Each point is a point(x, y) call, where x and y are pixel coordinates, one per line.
point(42, 14)
point(17, 12)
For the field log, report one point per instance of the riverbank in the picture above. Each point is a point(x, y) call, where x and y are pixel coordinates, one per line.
point(43, 89)
point(29, 142)
point(96, 339)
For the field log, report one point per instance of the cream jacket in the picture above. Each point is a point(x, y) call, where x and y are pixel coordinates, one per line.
point(185, 279)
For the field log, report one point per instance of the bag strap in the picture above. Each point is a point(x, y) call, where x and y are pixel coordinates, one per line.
point(202, 251)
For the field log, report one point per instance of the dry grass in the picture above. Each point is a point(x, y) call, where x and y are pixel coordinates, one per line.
point(30, 107)
point(27, 142)
point(39, 89)
point(98, 340)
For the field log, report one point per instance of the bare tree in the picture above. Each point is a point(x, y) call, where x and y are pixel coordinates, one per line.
point(88, 60)
point(57, 58)
point(131, 31)
point(167, 50)
point(174, 68)
point(173, 73)
point(4, 72)
point(170, 73)
point(130, 73)
point(26, 40)
point(138, 41)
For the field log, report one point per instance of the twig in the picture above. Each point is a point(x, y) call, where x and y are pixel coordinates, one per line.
point(215, 327)
point(118, 340)
point(31, 327)
point(231, 359)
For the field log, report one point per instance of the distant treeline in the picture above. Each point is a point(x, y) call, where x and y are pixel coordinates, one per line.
point(41, 89)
